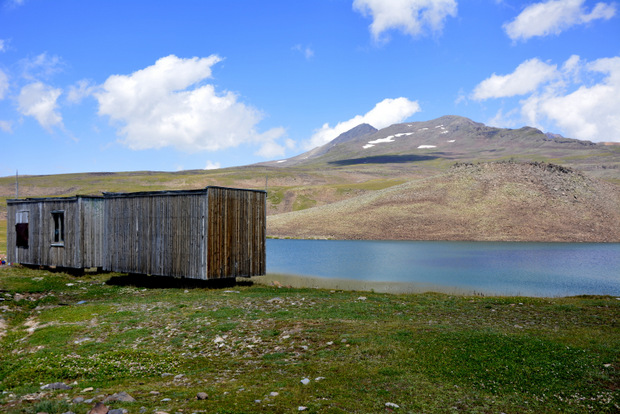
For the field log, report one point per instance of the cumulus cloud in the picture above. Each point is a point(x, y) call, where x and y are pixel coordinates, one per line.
point(581, 98)
point(168, 104)
point(526, 78)
point(212, 165)
point(412, 17)
point(385, 113)
point(554, 16)
point(40, 101)
point(590, 112)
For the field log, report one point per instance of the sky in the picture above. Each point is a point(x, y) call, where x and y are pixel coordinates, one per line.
point(111, 85)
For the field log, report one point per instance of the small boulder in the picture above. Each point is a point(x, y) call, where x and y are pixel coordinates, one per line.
point(56, 386)
point(120, 396)
point(202, 396)
point(99, 408)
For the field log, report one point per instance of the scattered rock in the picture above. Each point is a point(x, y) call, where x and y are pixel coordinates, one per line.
point(17, 297)
point(302, 408)
point(56, 386)
point(154, 392)
point(88, 389)
point(274, 394)
point(99, 408)
point(362, 298)
point(120, 396)
point(275, 300)
point(118, 411)
point(391, 405)
point(68, 412)
point(78, 400)
point(166, 399)
point(178, 377)
point(305, 381)
point(202, 396)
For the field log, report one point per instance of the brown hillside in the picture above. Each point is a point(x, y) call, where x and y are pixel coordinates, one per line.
point(490, 201)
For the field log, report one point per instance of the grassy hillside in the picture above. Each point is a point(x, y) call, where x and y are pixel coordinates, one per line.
point(490, 201)
point(253, 348)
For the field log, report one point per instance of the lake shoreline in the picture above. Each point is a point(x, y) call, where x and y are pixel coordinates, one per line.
point(316, 282)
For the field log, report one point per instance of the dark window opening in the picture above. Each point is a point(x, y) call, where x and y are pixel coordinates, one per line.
point(59, 227)
point(21, 231)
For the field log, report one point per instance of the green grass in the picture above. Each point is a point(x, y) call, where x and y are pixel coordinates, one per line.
point(241, 345)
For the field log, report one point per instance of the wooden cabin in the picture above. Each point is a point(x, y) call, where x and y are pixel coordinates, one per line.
point(212, 233)
point(64, 232)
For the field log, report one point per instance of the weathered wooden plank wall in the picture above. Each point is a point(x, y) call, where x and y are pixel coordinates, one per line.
point(157, 234)
point(83, 232)
point(236, 233)
point(202, 234)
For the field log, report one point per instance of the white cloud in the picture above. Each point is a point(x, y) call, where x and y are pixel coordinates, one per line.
point(526, 78)
point(555, 16)
point(40, 101)
point(4, 84)
point(42, 66)
point(587, 110)
point(385, 113)
point(412, 17)
point(80, 90)
point(2, 45)
point(6, 126)
point(591, 113)
point(168, 105)
point(306, 51)
point(212, 165)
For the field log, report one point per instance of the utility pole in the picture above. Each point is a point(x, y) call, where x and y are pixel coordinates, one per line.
point(16, 183)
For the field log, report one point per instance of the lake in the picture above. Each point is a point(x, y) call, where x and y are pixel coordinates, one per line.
point(489, 268)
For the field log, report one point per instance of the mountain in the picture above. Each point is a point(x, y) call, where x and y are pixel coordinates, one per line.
point(440, 142)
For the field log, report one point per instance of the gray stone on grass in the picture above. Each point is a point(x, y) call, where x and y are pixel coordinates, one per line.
point(56, 386)
point(120, 396)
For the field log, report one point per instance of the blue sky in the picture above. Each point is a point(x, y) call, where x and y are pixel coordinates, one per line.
point(162, 85)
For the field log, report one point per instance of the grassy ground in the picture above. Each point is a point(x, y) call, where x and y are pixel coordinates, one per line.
point(249, 347)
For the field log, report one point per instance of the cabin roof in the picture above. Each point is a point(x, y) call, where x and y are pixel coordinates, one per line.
point(50, 199)
point(174, 192)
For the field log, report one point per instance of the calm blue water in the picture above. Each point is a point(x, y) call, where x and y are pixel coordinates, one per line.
point(525, 269)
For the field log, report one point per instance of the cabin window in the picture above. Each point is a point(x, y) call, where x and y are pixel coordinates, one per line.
point(58, 237)
point(21, 229)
